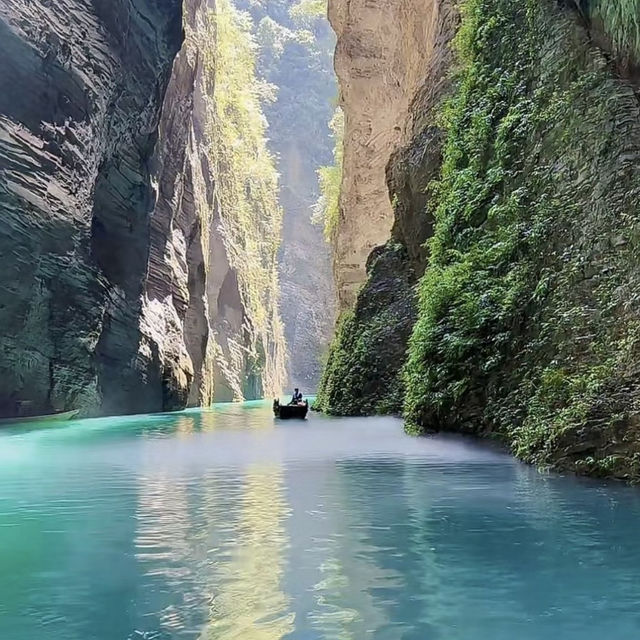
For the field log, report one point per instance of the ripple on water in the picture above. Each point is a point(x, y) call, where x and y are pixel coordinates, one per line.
point(222, 524)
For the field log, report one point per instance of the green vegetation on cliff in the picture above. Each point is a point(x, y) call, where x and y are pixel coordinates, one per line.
point(528, 319)
point(250, 218)
point(361, 376)
point(327, 208)
point(528, 324)
point(621, 21)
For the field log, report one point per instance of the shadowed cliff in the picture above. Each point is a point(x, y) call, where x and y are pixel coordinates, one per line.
point(80, 99)
point(123, 285)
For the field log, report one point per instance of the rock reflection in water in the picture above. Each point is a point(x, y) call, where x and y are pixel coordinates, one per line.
point(224, 524)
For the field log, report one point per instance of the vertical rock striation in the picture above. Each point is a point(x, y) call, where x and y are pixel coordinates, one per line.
point(120, 288)
point(219, 337)
point(176, 313)
point(81, 90)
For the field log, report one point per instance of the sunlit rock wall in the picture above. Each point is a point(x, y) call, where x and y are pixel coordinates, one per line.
point(363, 370)
point(380, 59)
point(197, 308)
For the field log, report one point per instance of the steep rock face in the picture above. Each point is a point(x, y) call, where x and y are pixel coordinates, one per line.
point(527, 322)
point(81, 89)
point(176, 312)
point(362, 375)
point(121, 287)
point(380, 59)
point(218, 337)
point(308, 295)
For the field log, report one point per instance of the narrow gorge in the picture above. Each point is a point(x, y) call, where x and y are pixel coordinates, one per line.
point(141, 245)
point(422, 217)
point(166, 169)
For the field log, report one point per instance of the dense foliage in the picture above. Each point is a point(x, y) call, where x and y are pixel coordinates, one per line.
point(528, 325)
point(309, 9)
point(361, 376)
point(294, 47)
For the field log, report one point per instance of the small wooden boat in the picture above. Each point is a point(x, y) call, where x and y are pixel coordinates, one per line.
point(51, 417)
point(285, 411)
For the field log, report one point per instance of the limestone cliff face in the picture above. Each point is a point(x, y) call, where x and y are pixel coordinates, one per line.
point(363, 371)
point(380, 60)
point(175, 311)
point(196, 308)
point(119, 290)
point(81, 88)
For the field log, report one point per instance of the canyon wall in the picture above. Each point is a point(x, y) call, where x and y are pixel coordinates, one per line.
point(295, 56)
point(119, 287)
point(524, 179)
point(362, 375)
point(81, 90)
point(380, 59)
point(212, 292)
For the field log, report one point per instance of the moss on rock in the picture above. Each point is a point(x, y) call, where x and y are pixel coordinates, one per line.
point(362, 375)
point(528, 319)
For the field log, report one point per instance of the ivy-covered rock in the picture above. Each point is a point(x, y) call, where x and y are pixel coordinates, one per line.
point(528, 312)
point(362, 372)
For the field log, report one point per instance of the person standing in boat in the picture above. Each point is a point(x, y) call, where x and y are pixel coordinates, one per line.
point(297, 396)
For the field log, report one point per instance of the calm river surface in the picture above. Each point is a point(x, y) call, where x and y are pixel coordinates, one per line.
point(224, 525)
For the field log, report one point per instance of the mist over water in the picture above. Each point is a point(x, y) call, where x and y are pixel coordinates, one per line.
point(224, 524)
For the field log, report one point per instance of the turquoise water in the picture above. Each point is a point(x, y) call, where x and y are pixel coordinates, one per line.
point(225, 525)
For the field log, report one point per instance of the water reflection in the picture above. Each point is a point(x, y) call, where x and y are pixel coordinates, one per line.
point(224, 525)
point(166, 556)
point(250, 602)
